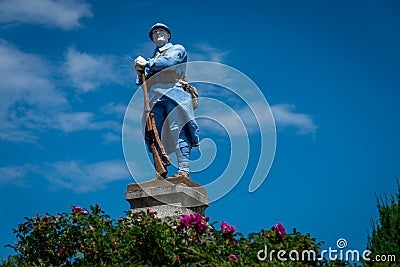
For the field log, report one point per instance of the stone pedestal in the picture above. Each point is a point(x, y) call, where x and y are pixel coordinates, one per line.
point(171, 197)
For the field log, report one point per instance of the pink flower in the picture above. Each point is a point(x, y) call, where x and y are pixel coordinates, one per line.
point(232, 257)
point(227, 229)
point(279, 230)
point(121, 219)
point(196, 218)
point(84, 212)
point(91, 229)
point(199, 224)
point(186, 221)
point(76, 209)
point(202, 228)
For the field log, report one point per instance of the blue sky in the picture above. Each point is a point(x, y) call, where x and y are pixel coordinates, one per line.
point(328, 69)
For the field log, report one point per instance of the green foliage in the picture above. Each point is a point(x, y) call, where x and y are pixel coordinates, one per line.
point(91, 238)
point(385, 237)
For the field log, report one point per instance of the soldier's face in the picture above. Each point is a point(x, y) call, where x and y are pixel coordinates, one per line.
point(160, 36)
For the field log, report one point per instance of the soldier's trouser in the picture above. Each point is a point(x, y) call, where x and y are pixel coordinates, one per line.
point(166, 108)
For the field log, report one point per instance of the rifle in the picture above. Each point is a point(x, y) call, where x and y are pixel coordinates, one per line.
point(154, 141)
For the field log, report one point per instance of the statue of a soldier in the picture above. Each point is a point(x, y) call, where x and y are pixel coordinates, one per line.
point(170, 104)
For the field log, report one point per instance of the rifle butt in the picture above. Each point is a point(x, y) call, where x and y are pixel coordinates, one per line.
point(158, 163)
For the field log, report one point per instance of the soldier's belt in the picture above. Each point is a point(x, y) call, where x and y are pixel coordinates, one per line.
point(166, 76)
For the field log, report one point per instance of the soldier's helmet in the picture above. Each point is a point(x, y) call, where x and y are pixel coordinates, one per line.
point(159, 25)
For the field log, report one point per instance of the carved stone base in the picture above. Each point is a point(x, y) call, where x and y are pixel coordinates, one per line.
point(170, 198)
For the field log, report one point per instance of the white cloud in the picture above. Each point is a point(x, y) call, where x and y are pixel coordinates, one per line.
point(239, 116)
point(111, 137)
point(236, 119)
point(76, 121)
point(285, 116)
point(207, 52)
point(26, 77)
point(30, 101)
point(16, 174)
point(88, 72)
point(27, 93)
point(112, 108)
point(64, 14)
point(81, 177)
point(71, 122)
point(74, 175)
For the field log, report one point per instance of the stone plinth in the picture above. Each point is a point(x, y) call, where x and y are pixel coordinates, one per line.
point(171, 197)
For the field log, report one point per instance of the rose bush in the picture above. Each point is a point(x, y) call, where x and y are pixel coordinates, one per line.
point(91, 238)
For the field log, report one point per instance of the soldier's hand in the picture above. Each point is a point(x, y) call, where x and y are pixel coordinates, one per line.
point(141, 62)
